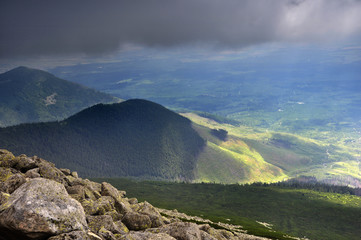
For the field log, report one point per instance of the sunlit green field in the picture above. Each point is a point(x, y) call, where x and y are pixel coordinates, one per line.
point(269, 156)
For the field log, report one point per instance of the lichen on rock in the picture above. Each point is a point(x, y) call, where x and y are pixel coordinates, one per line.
point(40, 208)
point(136, 221)
point(6, 159)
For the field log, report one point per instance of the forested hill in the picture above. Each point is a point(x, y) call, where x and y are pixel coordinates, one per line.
point(133, 138)
point(31, 95)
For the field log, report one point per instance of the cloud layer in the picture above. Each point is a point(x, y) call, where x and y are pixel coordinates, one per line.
point(45, 27)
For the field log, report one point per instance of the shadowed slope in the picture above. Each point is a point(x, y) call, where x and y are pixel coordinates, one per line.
point(133, 138)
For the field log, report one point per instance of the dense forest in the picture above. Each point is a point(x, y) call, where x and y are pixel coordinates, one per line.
point(133, 138)
point(311, 183)
point(262, 210)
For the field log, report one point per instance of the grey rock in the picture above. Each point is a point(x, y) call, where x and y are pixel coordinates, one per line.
point(92, 189)
point(217, 234)
point(148, 236)
point(77, 192)
point(182, 230)
point(108, 190)
point(99, 206)
point(133, 200)
point(48, 170)
point(40, 208)
point(120, 228)
point(122, 206)
point(73, 181)
point(78, 235)
point(32, 173)
point(136, 221)
point(147, 209)
point(115, 215)
point(7, 159)
point(106, 234)
point(5, 173)
point(24, 163)
point(75, 174)
point(12, 183)
point(207, 236)
point(4, 197)
point(95, 223)
point(66, 171)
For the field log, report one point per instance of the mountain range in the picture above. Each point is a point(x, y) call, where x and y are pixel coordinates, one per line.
point(31, 95)
point(142, 139)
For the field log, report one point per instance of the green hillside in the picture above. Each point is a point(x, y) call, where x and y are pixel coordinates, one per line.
point(229, 159)
point(30, 95)
point(269, 211)
point(253, 154)
point(133, 138)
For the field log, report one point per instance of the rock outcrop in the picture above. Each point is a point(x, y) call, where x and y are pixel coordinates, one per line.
point(39, 201)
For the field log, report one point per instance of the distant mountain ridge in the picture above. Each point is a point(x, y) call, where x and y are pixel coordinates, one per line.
point(133, 138)
point(31, 95)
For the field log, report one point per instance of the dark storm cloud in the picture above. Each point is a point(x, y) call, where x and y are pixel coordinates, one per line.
point(37, 27)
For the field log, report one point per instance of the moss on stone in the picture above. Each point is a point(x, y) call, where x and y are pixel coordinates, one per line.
point(5, 174)
point(6, 158)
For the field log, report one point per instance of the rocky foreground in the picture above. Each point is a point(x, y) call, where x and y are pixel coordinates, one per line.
point(39, 201)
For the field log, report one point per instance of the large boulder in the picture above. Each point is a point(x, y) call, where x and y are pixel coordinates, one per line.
point(108, 190)
point(208, 232)
point(136, 221)
point(147, 209)
point(182, 230)
point(38, 209)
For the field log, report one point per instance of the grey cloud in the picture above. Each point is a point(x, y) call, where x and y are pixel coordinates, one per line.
point(46, 27)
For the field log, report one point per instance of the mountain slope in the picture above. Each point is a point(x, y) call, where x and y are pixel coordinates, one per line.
point(133, 138)
point(30, 95)
point(228, 159)
point(271, 156)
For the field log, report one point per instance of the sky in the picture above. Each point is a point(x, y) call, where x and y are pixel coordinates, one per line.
point(69, 30)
